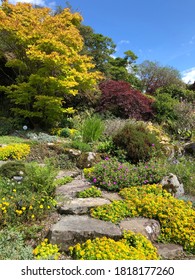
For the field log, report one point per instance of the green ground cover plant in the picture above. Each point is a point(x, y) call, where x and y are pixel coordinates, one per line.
point(90, 192)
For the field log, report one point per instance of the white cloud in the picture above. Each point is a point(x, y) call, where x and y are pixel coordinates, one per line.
point(124, 42)
point(188, 76)
point(34, 2)
point(41, 3)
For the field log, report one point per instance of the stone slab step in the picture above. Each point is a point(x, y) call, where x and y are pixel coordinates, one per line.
point(169, 251)
point(71, 189)
point(79, 206)
point(73, 229)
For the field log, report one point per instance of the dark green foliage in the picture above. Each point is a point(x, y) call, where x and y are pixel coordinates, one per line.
point(137, 142)
point(6, 125)
point(164, 108)
point(180, 93)
point(84, 147)
point(12, 168)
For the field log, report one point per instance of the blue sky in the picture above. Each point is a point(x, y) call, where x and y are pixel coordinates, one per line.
point(157, 30)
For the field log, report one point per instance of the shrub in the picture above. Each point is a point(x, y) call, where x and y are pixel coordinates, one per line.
point(137, 142)
point(131, 247)
point(92, 129)
point(40, 178)
point(13, 247)
point(90, 192)
point(14, 151)
point(84, 147)
point(164, 108)
point(6, 125)
point(19, 205)
point(46, 251)
point(179, 93)
point(123, 101)
point(176, 217)
point(12, 168)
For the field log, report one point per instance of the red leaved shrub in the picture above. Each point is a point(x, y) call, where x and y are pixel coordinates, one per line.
point(119, 98)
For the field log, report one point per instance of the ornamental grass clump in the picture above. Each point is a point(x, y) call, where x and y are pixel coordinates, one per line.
point(131, 247)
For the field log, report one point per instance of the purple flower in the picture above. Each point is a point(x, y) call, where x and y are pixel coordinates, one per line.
point(94, 180)
point(107, 158)
point(114, 183)
point(153, 145)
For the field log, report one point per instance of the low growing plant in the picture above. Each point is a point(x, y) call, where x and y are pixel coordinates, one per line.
point(131, 247)
point(13, 247)
point(176, 217)
point(90, 192)
point(113, 175)
point(46, 251)
point(14, 151)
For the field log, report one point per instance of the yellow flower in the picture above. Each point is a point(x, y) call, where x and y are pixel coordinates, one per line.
point(14, 190)
point(33, 216)
point(30, 207)
point(41, 206)
point(23, 208)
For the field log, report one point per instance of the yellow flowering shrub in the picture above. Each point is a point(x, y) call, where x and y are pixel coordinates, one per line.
point(46, 251)
point(14, 151)
point(131, 247)
point(176, 217)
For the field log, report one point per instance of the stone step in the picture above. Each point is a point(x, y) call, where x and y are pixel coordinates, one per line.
point(70, 190)
point(169, 251)
point(147, 227)
point(73, 229)
point(79, 206)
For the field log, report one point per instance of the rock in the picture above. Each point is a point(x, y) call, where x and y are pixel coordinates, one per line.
point(172, 185)
point(80, 206)
point(2, 162)
point(71, 189)
point(73, 153)
point(169, 251)
point(147, 227)
point(70, 173)
point(18, 178)
point(71, 230)
point(190, 149)
point(88, 159)
point(111, 195)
